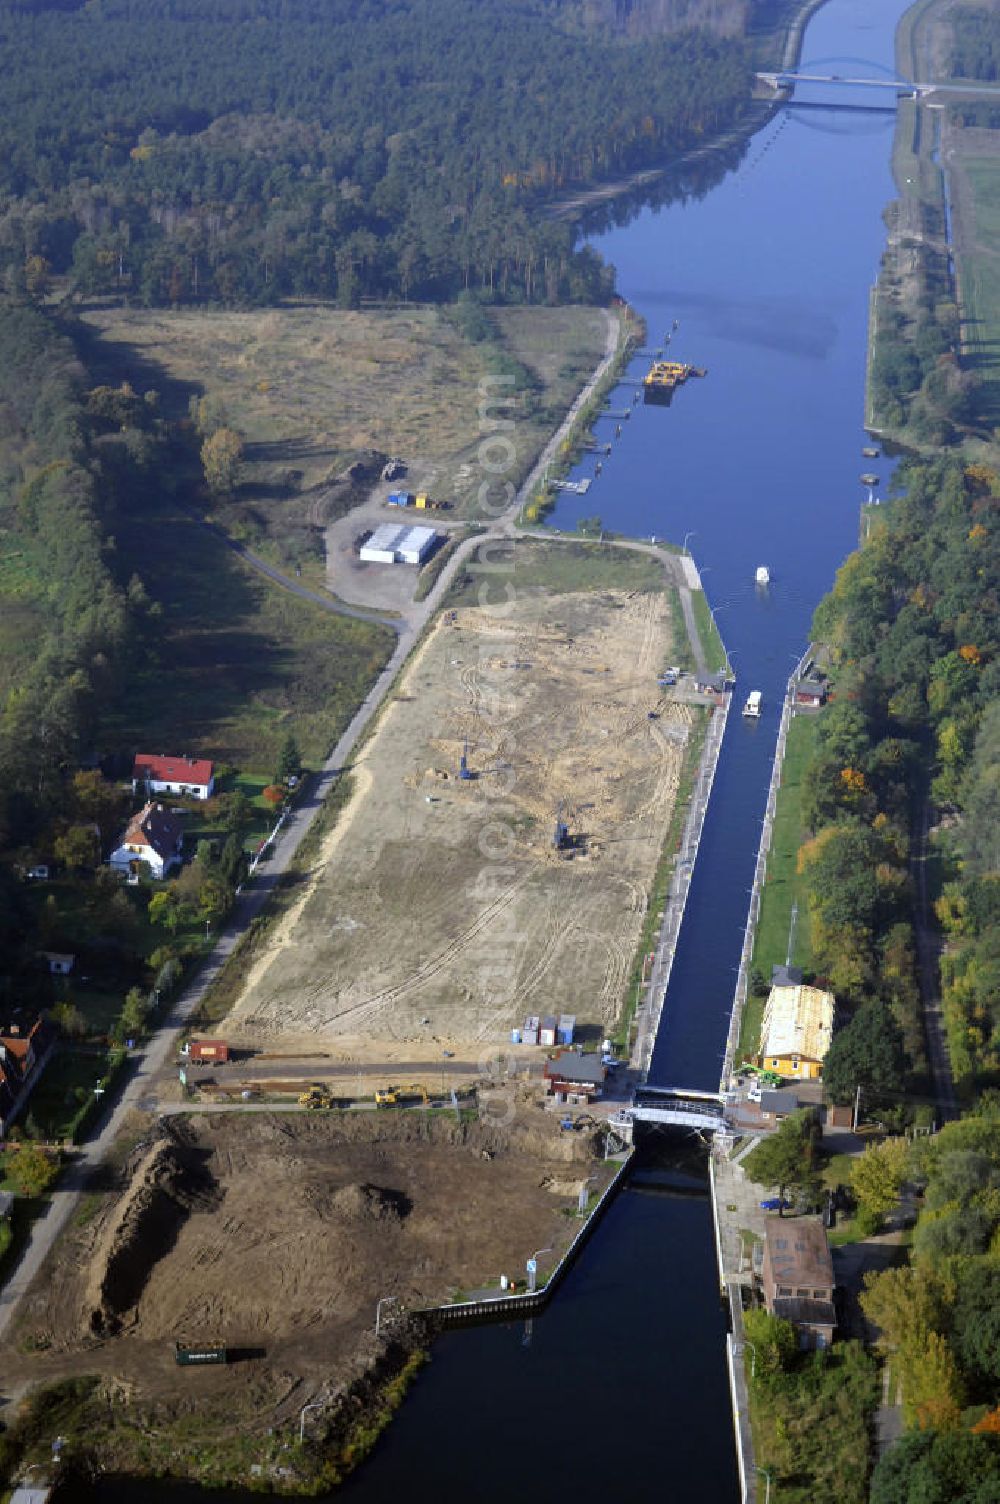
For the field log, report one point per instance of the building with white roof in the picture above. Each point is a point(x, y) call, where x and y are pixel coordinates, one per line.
point(392, 544)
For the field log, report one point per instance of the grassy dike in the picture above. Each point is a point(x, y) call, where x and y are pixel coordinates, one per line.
point(632, 331)
point(782, 885)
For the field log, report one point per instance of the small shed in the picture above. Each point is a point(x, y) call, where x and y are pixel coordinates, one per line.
point(532, 1024)
point(216, 1050)
point(574, 1076)
point(59, 964)
point(786, 976)
point(811, 693)
point(565, 1028)
point(547, 1032)
point(779, 1104)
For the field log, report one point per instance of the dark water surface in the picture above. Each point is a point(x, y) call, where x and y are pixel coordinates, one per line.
point(621, 1386)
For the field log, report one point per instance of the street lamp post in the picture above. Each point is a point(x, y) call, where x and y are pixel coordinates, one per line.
point(532, 1268)
point(691, 533)
point(767, 1491)
point(753, 1358)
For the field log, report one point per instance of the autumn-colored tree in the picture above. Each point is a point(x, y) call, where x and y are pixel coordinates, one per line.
point(77, 847)
point(32, 1170)
point(877, 1175)
point(36, 274)
point(274, 793)
point(221, 457)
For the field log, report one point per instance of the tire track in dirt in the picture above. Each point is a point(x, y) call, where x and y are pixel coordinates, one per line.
point(370, 1009)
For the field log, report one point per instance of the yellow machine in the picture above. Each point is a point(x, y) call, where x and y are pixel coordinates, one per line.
point(387, 1098)
point(664, 377)
point(316, 1097)
point(416, 1089)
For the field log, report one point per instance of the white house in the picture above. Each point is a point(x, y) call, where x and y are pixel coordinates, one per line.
point(154, 836)
point(193, 776)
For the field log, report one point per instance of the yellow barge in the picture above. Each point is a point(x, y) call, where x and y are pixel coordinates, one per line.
point(664, 377)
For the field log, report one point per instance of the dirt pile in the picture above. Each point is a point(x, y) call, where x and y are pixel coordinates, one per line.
point(170, 1182)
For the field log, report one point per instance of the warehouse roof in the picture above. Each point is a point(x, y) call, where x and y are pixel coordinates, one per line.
point(797, 1021)
point(415, 537)
point(387, 535)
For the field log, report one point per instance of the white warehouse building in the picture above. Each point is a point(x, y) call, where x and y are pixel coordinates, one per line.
point(392, 544)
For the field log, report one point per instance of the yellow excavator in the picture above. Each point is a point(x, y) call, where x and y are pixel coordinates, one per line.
point(417, 1089)
point(387, 1098)
point(316, 1098)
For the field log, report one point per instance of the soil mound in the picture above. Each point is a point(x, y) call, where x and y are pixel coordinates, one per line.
point(169, 1184)
point(368, 1203)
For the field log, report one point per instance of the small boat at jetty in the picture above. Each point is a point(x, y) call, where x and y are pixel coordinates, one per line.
point(752, 707)
point(869, 480)
point(870, 452)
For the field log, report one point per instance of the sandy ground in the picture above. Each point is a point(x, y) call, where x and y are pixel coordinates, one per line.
point(277, 1236)
point(439, 909)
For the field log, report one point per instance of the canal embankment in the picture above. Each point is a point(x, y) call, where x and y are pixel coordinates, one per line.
point(730, 1060)
point(649, 1011)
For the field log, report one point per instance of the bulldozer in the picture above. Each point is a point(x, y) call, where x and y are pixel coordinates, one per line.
point(316, 1098)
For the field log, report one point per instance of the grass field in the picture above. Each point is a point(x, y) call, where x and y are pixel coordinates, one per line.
point(711, 641)
point(555, 568)
point(781, 886)
point(978, 256)
point(240, 661)
point(312, 388)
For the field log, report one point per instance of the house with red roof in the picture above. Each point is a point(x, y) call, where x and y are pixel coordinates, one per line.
point(154, 836)
point(193, 776)
point(26, 1042)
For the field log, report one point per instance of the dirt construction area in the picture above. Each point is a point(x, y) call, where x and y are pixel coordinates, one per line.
point(441, 911)
point(276, 1235)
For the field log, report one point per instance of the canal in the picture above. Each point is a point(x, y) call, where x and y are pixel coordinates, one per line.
point(621, 1385)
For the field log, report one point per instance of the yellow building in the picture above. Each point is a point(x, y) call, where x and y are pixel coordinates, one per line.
point(796, 1032)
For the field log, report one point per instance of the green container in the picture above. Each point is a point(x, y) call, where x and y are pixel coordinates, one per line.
point(196, 1356)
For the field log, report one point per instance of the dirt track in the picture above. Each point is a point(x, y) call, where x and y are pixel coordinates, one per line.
point(443, 900)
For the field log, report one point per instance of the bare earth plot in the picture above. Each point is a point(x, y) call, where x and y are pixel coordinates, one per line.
point(276, 1236)
point(439, 911)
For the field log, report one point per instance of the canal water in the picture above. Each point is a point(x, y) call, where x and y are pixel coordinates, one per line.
point(621, 1385)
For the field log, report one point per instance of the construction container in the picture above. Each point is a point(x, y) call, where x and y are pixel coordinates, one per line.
point(515, 1036)
point(189, 1357)
point(529, 1034)
point(547, 1031)
point(565, 1028)
point(421, 503)
point(215, 1050)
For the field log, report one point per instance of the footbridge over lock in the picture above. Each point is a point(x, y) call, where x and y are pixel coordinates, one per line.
point(673, 1107)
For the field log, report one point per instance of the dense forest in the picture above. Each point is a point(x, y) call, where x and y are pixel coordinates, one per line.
point(914, 624)
point(975, 43)
point(252, 149)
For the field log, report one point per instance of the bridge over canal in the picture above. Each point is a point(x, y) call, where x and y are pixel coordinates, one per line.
point(672, 1107)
